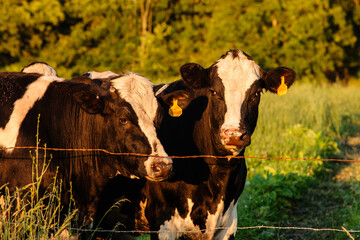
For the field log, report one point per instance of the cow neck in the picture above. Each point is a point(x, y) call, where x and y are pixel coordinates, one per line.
point(77, 123)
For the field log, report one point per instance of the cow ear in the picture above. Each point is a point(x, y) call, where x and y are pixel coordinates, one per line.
point(279, 80)
point(177, 102)
point(89, 101)
point(195, 75)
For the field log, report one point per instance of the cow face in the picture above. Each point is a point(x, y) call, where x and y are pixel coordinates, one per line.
point(233, 86)
point(132, 113)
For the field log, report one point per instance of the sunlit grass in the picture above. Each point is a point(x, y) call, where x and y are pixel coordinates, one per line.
point(308, 122)
point(29, 213)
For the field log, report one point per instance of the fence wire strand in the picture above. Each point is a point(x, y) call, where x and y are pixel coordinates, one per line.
point(344, 230)
point(183, 157)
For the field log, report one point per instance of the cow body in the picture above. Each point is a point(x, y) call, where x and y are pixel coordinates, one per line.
point(74, 115)
point(219, 117)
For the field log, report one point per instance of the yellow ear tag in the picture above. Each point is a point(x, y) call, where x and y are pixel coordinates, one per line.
point(175, 110)
point(282, 89)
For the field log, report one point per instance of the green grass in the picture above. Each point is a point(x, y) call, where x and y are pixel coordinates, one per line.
point(309, 122)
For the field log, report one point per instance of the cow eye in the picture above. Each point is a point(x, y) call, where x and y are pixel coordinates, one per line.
point(213, 92)
point(123, 121)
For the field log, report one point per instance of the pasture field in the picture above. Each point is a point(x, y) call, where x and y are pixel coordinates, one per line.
point(316, 122)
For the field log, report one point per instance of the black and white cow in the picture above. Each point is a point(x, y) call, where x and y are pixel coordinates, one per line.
point(41, 68)
point(74, 115)
point(220, 110)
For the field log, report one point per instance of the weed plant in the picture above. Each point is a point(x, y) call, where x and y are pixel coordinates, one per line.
point(27, 213)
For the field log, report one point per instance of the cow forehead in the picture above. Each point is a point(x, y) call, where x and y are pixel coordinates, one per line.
point(138, 91)
point(237, 72)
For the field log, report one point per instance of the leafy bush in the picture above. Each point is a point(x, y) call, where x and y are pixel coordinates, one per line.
point(268, 201)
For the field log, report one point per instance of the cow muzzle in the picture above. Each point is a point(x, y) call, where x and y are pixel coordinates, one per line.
point(235, 139)
point(160, 168)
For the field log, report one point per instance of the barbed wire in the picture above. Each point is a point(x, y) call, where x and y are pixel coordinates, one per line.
point(182, 157)
point(218, 228)
point(343, 229)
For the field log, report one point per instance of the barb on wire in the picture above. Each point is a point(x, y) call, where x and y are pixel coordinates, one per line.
point(184, 157)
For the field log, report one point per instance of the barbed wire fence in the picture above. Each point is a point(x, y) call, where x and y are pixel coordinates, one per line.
point(343, 230)
point(183, 157)
point(79, 230)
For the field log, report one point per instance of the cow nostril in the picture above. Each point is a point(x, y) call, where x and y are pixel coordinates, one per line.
point(235, 133)
point(156, 168)
point(243, 135)
point(161, 166)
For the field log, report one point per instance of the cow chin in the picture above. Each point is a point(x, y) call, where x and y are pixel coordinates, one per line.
point(235, 150)
point(235, 147)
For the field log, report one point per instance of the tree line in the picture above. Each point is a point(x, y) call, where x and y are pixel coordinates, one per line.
point(320, 39)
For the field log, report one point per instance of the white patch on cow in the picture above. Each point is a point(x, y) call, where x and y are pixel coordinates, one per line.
point(173, 228)
point(33, 93)
point(222, 226)
point(106, 74)
point(141, 221)
point(41, 68)
point(138, 91)
point(237, 75)
point(218, 226)
point(161, 89)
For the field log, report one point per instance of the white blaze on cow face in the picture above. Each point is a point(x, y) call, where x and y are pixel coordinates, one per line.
point(237, 73)
point(35, 91)
point(138, 92)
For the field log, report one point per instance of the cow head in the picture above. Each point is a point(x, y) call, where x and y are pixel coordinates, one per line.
point(233, 86)
point(128, 108)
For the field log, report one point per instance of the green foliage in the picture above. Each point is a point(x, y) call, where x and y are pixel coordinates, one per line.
point(268, 201)
point(292, 200)
point(155, 37)
point(309, 122)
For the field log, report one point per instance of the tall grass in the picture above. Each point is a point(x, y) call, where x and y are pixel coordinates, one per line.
point(309, 122)
point(29, 213)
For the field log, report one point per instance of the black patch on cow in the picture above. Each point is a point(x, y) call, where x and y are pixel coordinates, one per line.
point(248, 56)
point(250, 107)
point(12, 87)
